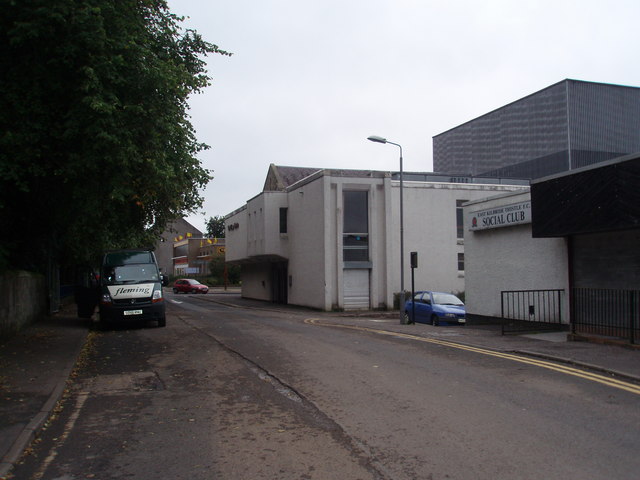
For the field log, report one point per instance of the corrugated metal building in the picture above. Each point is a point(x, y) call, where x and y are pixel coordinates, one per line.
point(568, 125)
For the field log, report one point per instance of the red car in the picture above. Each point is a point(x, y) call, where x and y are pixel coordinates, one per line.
point(188, 285)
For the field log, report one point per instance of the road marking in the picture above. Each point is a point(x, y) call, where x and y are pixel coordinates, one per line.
point(594, 377)
point(53, 453)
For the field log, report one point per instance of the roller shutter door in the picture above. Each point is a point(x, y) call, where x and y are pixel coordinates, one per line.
point(356, 289)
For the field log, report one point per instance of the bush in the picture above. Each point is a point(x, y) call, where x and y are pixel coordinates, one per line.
point(396, 299)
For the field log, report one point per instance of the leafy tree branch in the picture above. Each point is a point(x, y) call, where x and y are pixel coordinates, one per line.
point(96, 147)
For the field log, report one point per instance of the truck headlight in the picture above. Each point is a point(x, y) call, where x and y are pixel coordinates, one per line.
point(157, 295)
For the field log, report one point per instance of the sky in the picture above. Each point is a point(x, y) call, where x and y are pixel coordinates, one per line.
point(310, 80)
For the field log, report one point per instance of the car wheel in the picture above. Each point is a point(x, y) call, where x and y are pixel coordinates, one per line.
point(194, 291)
point(175, 290)
point(407, 319)
point(434, 320)
point(162, 322)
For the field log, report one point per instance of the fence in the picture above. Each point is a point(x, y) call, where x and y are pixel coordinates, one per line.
point(531, 309)
point(606, 312)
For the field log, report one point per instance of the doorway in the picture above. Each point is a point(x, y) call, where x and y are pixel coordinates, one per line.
point(279, 285)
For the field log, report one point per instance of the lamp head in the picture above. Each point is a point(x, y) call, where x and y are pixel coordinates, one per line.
point(375, 138)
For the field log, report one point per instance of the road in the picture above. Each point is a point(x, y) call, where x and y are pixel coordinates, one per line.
point(230, 393)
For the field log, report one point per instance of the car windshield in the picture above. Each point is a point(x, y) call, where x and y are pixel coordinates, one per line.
point(193, 282)
point(446, 299)
point(128, 274)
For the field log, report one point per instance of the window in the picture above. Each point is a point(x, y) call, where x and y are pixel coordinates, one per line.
point(460, 219)
point(355, 240)
point(283, 220)
point(461, 262)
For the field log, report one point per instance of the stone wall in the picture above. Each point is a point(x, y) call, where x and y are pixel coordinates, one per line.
point(23, 300)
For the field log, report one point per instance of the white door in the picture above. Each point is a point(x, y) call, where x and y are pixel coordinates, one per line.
point(356, 289)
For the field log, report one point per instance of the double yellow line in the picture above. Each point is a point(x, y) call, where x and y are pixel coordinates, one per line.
point(594, 377)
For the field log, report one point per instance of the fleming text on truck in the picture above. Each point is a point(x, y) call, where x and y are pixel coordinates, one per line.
point(131, 288)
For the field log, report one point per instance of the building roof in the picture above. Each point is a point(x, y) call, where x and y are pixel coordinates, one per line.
point(537, 93)
point(280, 178)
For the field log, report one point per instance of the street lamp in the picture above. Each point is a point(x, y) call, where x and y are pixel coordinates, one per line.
point(377, 139)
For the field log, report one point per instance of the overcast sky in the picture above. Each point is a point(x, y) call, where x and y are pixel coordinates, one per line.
point(310, 80)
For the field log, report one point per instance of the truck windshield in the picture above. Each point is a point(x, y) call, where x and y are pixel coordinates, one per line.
point(128, 274)
point(127, 257)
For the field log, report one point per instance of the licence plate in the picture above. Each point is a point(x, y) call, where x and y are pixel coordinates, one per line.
point(133, 312)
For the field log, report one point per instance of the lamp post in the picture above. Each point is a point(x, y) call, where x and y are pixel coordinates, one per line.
point(375, 138)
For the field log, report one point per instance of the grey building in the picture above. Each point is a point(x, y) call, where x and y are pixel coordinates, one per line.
point(565, 126)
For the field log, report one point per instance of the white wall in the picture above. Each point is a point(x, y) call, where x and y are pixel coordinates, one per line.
point(508, 258)
point(430, 229)
point(236, 240)
point(256, 281)
point(306, 244)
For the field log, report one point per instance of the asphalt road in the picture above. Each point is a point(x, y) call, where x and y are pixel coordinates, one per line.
point(228, 393)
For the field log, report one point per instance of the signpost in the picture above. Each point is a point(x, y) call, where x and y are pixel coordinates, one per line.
point(414, 265)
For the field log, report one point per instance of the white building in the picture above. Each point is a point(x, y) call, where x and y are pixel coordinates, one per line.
point(502, 256)
point(330, 239)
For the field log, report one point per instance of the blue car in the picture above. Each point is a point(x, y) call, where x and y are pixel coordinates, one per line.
point(435, 308)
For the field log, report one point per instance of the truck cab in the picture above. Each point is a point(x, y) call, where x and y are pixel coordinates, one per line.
point(131, 288)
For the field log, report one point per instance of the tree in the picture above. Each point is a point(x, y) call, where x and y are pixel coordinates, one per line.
point(215, 227)
point(96, 149)
point(219, 269)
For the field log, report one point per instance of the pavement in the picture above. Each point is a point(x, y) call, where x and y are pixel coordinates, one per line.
point(36, 365)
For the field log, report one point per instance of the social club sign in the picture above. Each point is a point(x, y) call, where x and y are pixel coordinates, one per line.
point(505, 216)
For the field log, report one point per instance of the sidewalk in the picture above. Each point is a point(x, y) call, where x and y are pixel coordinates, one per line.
point(35, 364)
point(34, 367)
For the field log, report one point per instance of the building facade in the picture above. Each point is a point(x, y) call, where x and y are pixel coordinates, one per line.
point(578, 240)
point(330, 239)
point(191, 256)
point(164, 249)
point(565, 126)
point(502, 256)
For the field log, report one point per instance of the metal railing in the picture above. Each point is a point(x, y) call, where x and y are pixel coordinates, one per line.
point(606, 312)
point(531, 309)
